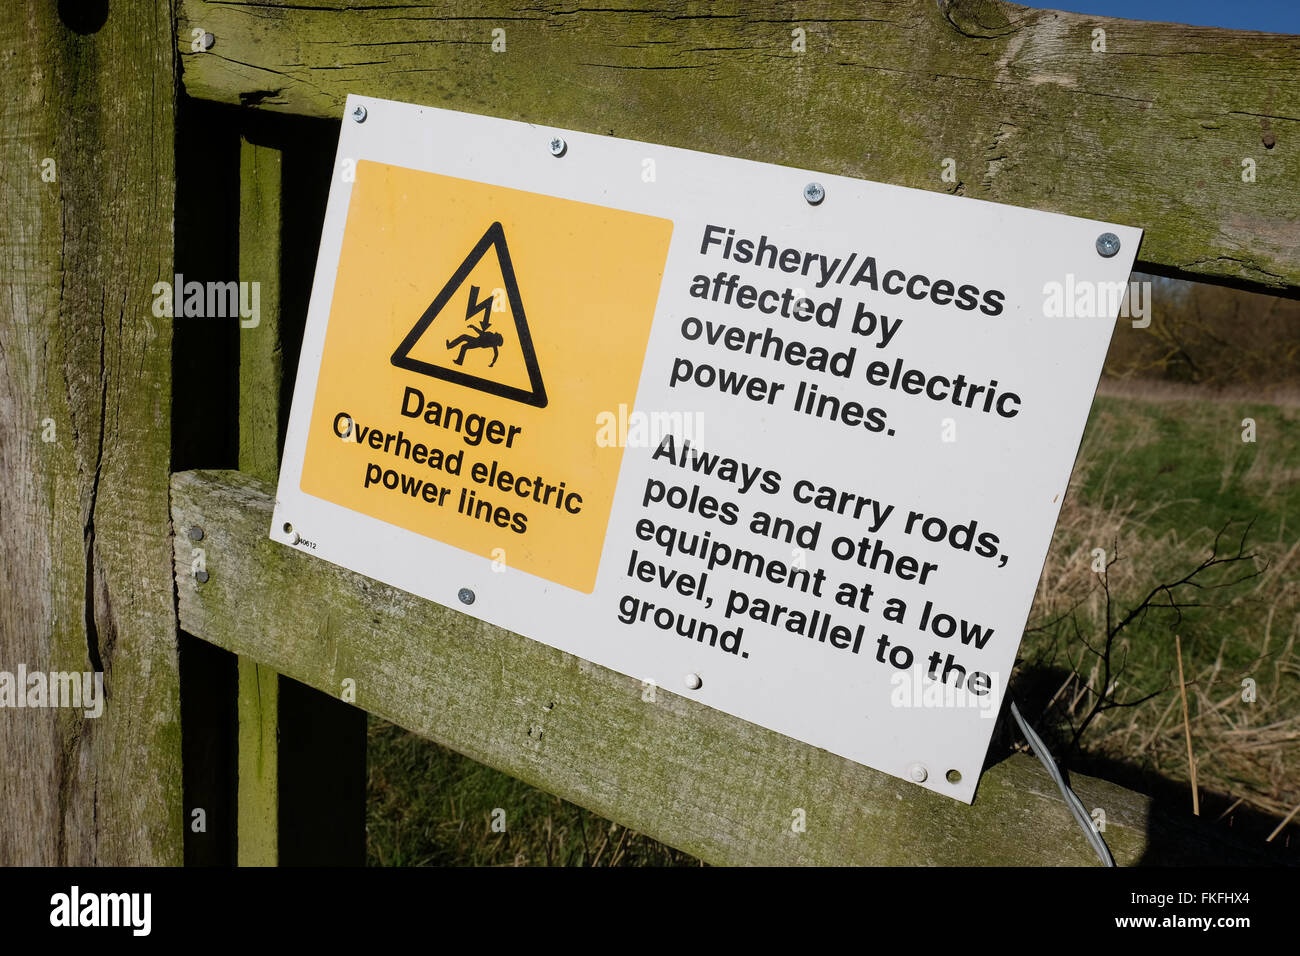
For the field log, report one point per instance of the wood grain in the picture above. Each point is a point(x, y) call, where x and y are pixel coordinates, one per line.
point(696, 778)
point(260, 371)
point(1151, 133)
point(301, 760)
point(86, 577)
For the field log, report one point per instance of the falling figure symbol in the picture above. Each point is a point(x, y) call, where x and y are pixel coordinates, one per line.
point(479, 336)
point(479, 332)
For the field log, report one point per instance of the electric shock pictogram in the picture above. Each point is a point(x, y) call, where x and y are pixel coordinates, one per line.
point(450, 365)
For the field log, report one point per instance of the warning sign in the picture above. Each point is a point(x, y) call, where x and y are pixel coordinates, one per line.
point(442, 424)
point(478, 332)
point(799, 460)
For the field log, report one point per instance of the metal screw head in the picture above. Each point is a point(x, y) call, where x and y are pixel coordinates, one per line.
point(1107, 244)
point(201, 577)
point(814, 193)
point(208, 41)
point(466, 596)
point(196, 533)
point(359, 114)
point(918, 772)
point(558, 146)
point(693, 681)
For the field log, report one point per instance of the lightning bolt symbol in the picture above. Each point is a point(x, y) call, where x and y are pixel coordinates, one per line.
point(475, 307)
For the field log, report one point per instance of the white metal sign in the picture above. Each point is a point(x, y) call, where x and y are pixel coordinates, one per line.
point(788, 443)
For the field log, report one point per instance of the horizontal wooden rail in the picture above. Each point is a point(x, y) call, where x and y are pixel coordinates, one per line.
point(1153, 132)
point(690, 776)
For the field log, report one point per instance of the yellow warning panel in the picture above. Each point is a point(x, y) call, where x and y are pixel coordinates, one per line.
point(475, 335)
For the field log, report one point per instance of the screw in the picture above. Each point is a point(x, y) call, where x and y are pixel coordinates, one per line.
point(359, 114)
point(918, 772)
point(208, 41)
point(201, 577)
point(558, 146)
point(693, 681)
point(1107, 244)
point(814, 193)
point(466, 596)
point(196, 533)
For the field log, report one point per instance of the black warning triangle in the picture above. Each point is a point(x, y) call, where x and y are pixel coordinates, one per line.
point(494, 238)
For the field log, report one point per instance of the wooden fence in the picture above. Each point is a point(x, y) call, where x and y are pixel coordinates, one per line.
point(197, 758)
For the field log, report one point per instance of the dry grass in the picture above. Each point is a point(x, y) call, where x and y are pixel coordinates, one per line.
point(1155, 390)
point(1247, 750)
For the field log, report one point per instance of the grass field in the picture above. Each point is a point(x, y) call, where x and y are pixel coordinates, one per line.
point(1161, 478)
point(1159, 474)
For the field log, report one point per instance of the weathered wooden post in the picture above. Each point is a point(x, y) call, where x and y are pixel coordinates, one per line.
point(85, 431)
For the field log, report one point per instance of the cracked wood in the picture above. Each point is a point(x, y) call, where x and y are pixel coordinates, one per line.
point(1151, 133)
point(85, 410)
point(690, 776)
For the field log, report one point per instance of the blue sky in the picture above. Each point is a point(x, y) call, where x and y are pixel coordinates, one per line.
point(1274, 16)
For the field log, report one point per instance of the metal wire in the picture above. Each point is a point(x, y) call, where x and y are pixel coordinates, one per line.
point(1071, 799)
